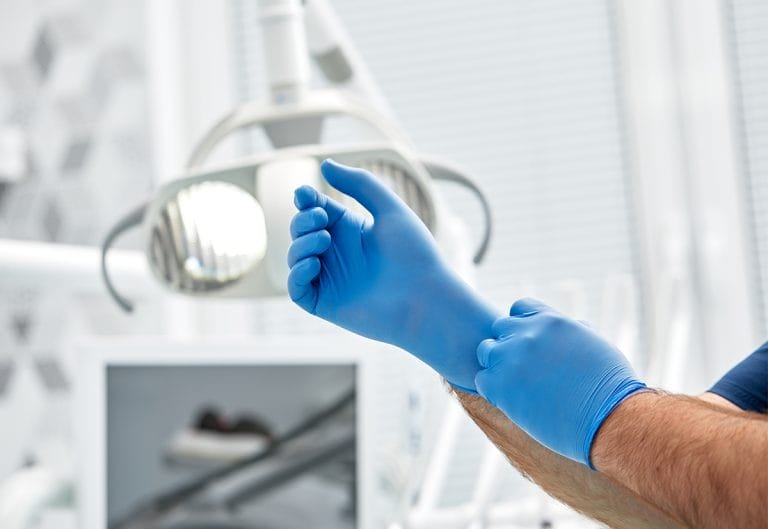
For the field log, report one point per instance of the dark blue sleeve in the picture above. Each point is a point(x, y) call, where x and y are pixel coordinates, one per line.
point(746, 385)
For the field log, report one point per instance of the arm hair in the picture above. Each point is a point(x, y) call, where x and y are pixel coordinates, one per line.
point(702, 464)
point(589, 492)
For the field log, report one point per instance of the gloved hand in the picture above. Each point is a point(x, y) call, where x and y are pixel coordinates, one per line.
point(383, 279)
point(553, 376)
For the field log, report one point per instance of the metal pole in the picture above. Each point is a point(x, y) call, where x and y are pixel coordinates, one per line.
point(285, 49)
point(63, 267)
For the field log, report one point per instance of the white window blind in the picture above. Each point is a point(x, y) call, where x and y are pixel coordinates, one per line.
point(523, 94)
point(749, 31)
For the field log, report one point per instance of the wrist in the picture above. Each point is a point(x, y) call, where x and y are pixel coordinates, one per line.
point(438, 300)
point(447, 320)
point(607, 445)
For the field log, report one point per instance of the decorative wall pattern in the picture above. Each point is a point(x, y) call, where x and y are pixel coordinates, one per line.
point(74, 154)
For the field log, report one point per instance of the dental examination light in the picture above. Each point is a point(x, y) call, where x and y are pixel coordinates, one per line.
point(223, 230)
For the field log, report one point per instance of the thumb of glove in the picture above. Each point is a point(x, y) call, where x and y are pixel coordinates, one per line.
point(527, 307)
point(361, 185)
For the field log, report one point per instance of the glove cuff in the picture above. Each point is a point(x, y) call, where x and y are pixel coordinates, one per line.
point(629, 388)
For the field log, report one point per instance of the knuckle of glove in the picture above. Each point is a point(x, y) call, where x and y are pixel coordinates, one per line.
point(527, 340)
point(552, 323)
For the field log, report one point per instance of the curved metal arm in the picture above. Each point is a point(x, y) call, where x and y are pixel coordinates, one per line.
point(440, 170)
point(319, 104)
point(130, 220)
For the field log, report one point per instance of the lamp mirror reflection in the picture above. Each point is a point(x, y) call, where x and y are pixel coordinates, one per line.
point(207, 237)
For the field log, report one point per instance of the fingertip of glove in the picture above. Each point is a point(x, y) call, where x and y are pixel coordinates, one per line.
point(329, 165)
point(527, 307)
point(336, 174)
point(324, 237)
point(303, 272)
point(309, 264)
point(321, 214)
point(484, 351)
point(305, 197)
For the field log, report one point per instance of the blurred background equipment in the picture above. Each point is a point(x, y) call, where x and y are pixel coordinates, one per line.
point(621, 145)
point(213, 437)
point(287, 455)
point(310, 465)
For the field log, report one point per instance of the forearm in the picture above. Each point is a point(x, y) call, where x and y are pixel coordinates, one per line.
point(703, 465)
point(572, 483)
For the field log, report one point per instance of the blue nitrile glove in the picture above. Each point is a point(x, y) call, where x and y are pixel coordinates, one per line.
point(553, 376)
point(383, 279)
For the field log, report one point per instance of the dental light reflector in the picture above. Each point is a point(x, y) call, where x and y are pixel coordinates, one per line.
point(223, 230)
point(206, 237)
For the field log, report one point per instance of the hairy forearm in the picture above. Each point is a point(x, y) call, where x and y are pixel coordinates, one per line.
point(572, 483)
point(703, 465)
